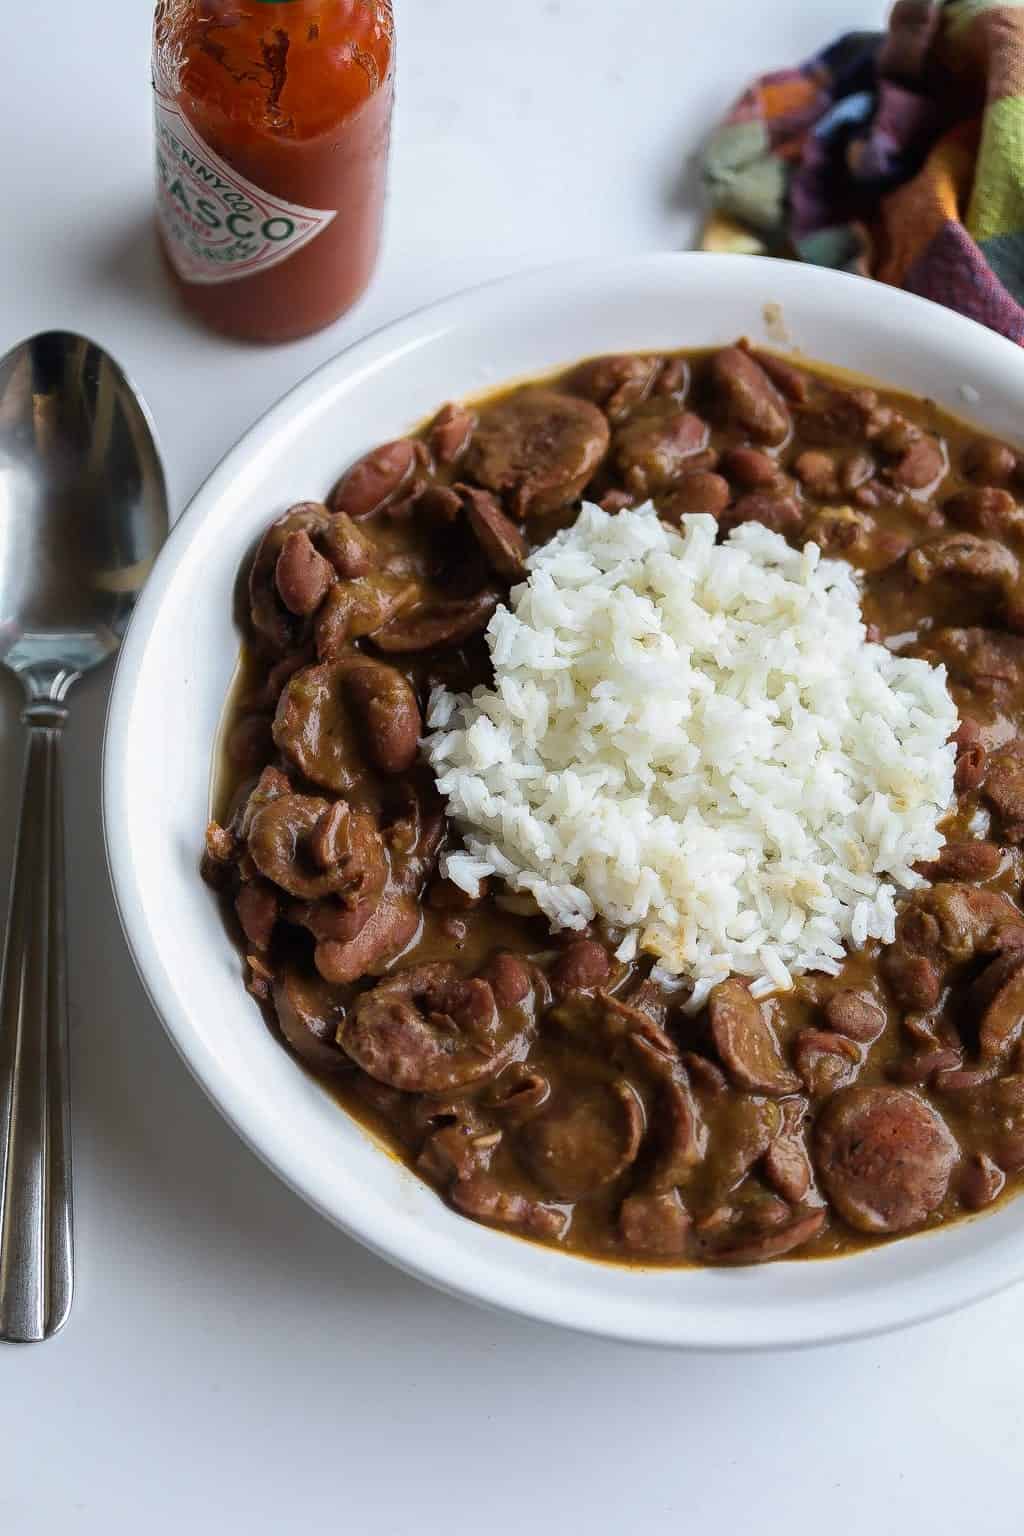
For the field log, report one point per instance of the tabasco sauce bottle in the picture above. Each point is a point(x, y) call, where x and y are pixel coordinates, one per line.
point(272, 125)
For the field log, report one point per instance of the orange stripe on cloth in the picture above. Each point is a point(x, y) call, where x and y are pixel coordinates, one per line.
point(781, 97)
point(911, 216)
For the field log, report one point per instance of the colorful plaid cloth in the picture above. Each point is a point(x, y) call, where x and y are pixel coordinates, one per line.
point(899, 155)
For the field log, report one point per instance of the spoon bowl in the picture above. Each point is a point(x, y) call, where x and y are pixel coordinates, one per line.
point(83, 505)
point(83, 512)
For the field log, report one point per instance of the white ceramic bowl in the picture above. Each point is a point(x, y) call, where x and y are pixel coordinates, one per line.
point(178, 660)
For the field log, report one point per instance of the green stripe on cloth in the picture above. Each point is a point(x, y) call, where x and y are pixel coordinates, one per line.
point(960, 13)
point(743, 178)
point(997, 199)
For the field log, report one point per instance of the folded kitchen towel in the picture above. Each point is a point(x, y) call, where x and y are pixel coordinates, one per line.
point(899, 155)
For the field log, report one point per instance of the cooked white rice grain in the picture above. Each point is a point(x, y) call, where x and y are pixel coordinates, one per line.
point(696, 741)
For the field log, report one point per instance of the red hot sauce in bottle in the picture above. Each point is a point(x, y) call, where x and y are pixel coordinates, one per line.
point(273, 120)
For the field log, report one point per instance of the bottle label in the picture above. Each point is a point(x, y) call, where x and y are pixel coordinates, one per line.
point(218, 226)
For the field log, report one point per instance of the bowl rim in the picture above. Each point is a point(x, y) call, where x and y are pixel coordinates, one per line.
point(551, 1299)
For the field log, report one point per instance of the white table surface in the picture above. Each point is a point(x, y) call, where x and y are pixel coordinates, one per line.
point(232, 1363)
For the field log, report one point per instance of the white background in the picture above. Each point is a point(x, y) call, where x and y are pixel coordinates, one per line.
point(232, 1363)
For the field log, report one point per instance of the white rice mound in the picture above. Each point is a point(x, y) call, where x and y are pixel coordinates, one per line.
point(696, 742)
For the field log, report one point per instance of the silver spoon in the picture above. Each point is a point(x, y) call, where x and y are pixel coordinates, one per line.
point(83, 511)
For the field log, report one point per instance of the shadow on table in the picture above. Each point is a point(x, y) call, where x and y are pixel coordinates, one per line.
point(126, 259)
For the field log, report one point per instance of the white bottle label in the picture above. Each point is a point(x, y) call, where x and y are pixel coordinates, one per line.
point(217, 226)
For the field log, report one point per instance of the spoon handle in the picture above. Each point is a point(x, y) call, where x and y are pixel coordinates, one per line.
point(36, 1273)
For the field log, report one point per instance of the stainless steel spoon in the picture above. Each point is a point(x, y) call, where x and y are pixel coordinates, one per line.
point(83, 511)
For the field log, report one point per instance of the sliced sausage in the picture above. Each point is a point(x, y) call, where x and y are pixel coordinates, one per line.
point(644, 1004)
point(539, 449)
point(976, 921)
point(413, 832)
point(981, 1182)
point(617, 384)
point(250, 743)
point(333, 921)
point(925, 1067)
point(964, 861)
point(832, 415)
point(430, 1029)
point(654, 1049)
point(284, 847)
point(279, 674)
point(983, 660)
point(682, 1134)
point(309, 1015)
point(270, 785)
point(964, 557)
point(1005, 1111)
point(333, 718)
point(585, 1140)
point(962, 1080)
point(757, 1247)
point(996, 1002)
point(747, 398)
point(457, 1151)
point(386, 708)
point(741, 1129)
point(360, 607)
point(314, 730)
point(501, 541)
point(258, 909)
point(1004, 788)
point(944, 927)
point(745, 1041)
point(656, 1225)
point(379, 937)
point(518, 1092)
point(787, 1165)
point(985, 509)
point(705, 1076)
point(438, 624)
point(885, 1157)
point(484, 1200)
point(653, 451)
